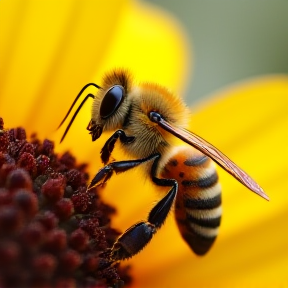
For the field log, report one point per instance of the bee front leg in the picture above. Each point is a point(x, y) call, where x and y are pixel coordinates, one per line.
point(134, 239)
point(109, 145)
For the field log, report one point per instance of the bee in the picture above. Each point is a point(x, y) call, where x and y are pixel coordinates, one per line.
point(145, 118)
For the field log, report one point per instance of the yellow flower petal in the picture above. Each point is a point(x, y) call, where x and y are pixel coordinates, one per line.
point(46, 47)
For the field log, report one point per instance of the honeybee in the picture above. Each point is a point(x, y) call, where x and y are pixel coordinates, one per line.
point(145, 117)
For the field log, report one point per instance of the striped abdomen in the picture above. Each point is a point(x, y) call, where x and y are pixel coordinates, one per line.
point(198, 202)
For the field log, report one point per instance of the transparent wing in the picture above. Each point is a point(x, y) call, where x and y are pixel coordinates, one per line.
point(216, 155)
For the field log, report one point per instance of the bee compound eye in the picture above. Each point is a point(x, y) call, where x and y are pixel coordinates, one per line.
point(111, 101)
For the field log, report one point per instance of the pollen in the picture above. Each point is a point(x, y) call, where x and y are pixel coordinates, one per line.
point(53, 233)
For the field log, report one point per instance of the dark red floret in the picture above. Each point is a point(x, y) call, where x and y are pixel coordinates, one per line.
point(53, 233)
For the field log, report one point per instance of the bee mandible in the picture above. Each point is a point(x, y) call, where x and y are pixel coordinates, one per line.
point(144, 118)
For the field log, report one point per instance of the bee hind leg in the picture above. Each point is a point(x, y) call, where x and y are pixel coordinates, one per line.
point(134, 239)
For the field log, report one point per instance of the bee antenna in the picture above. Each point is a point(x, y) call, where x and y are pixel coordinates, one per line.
point(77, 97)
point(75, 114)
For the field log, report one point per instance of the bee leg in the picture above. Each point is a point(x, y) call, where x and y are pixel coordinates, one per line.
point(106, 172)
point(109, 145)
point(139, 235)
point(160, 211)
point(133, 240)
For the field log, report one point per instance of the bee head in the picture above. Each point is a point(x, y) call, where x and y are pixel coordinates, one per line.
point(111, 104)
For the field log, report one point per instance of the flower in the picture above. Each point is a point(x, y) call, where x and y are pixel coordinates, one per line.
point(53, 232)
point(59, 47)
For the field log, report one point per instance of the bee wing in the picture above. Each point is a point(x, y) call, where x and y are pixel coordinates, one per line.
point(212, 152)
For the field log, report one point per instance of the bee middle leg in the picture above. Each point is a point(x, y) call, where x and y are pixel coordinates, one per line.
point(134, 239)
point(106, 172)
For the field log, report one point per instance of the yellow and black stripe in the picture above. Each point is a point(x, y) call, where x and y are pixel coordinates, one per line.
point(198, 202)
